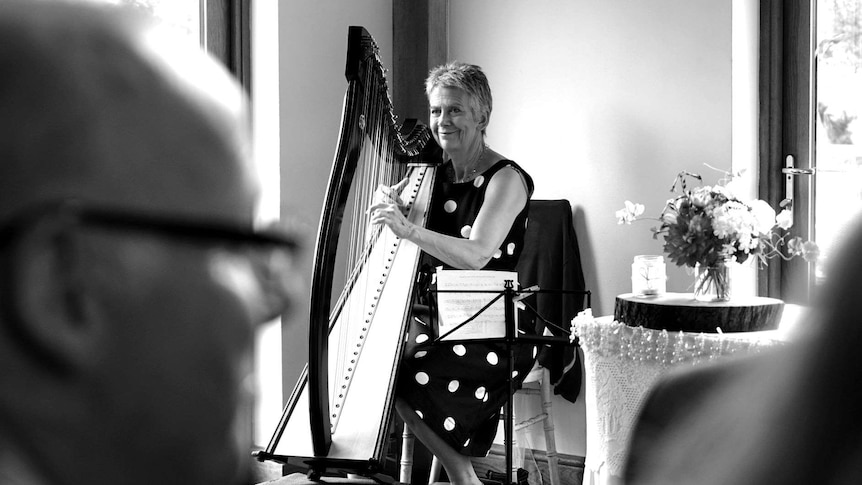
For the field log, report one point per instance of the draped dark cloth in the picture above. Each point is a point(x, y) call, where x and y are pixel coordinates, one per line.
point(552, 260)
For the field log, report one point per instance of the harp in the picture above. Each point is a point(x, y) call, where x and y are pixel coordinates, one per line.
point(338, 413)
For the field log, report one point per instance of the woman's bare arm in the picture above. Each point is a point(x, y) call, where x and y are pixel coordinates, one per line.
point(504, 199)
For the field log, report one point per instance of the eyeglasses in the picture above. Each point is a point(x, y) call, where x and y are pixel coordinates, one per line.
point(271, 250)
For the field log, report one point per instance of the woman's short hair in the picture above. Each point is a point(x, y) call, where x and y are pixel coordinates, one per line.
point(467, 77)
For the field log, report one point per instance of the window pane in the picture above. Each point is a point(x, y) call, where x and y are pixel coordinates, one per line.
point(838, 127)
point(181, 15)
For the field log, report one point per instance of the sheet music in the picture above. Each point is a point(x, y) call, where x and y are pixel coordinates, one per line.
point(455, 308)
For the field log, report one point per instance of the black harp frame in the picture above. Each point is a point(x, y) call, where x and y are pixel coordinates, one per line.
point(411, 143)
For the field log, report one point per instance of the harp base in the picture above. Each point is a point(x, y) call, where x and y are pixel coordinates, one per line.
point(370, 471)
point(300, 479)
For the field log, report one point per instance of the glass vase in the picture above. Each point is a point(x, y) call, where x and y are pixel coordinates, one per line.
point(712, 283)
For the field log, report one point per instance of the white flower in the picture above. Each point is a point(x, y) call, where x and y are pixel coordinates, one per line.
point(701, 196)
point(784, 219)
point(722, 190)
point(731, 188)
point(747, 242)
point(628, 214)
point(669, 218)
point(584, 317)
point(808, 249)
point(727, 251)
point(764, 216)
point(732, 219)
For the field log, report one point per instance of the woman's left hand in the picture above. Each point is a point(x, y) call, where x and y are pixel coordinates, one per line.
point(392, 216)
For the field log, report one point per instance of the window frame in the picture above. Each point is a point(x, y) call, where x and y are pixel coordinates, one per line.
point(786, 128)
point(226, 34)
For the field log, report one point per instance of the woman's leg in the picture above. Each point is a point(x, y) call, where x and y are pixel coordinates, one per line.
point(458, 467)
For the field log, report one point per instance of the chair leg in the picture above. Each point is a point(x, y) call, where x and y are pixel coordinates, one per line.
point(406, 462)
point(550, 440)
point(434, 475)
point(513, 472)
point(517, 455)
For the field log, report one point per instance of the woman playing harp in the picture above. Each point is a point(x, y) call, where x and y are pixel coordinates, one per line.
point(450, 395)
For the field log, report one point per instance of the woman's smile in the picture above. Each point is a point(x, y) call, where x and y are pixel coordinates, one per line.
point(454, 122)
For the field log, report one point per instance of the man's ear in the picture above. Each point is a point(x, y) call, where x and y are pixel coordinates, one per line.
point(52, 304)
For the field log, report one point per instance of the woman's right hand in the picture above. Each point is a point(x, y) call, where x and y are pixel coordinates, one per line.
point(388, 195)
point(388, 209)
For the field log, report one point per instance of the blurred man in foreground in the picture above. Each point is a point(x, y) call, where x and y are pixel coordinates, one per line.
point(131, 280)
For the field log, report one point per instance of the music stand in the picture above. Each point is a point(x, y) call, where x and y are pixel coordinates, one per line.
point(511, 339)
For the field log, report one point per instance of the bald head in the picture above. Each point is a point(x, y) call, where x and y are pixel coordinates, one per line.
point(125, 354)
point(98, 103)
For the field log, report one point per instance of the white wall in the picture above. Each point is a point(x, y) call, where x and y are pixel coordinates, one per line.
point(601, 101)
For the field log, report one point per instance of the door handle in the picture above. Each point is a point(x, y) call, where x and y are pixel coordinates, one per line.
point(797, 171)
point(789, 172)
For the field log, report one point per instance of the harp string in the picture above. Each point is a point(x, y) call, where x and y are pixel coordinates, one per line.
point(376, 165)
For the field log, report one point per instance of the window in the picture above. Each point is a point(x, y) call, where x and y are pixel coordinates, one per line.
point(837, 123)
point(810, 157)
point(181, 15)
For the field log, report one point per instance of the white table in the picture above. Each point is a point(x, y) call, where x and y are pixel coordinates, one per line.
point(621, 363)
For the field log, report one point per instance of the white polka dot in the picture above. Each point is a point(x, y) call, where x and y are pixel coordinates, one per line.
point(485, 399)
point(419, 413)
point(492, 358)
point(497, 254)
point(421, 338)
point(467, 443)
point(459, 350)
point(535, 351)
point(450, 206)
point(480, 393)
point(510, 248)
point(478, 181)
point(420, 354)
point(514, 374)
point(454, 385)
point(449, 423)
point(465, 231)
point(422, 378)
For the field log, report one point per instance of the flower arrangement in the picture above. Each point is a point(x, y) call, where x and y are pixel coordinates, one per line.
point(709, 226)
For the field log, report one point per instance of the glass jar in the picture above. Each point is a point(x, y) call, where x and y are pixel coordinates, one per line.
point(649, 277)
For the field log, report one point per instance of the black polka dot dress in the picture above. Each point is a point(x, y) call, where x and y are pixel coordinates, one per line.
point(458, 389)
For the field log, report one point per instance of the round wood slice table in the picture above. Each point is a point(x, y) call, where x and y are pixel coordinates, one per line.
point(680, 311)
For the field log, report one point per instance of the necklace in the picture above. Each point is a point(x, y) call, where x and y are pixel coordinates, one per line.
point(475, 164)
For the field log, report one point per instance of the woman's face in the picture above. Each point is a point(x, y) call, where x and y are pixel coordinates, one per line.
point(453, 123)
